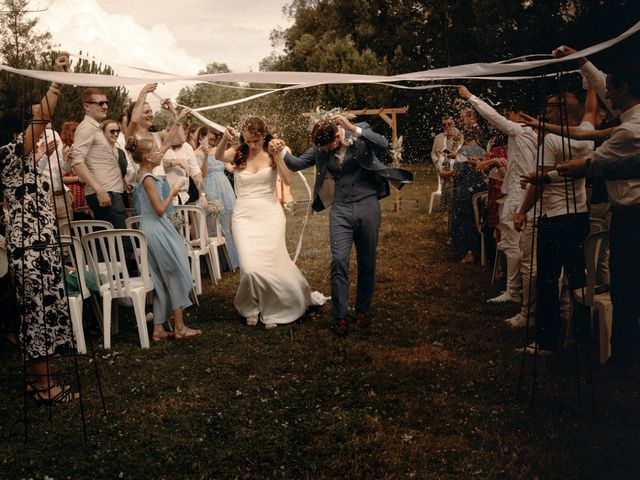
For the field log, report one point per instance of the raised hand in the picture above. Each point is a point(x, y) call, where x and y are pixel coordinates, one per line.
point(62, 63)
point(528, 120)
point(148, 88)
point(562, 51)
point(344, 122)
point(229, 134)
point(276, 146)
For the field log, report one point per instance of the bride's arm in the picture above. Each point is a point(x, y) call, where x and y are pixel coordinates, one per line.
point(283, 171)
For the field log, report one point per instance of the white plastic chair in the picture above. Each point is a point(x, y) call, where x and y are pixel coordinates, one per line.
point(116, 282)
point(133, 222)
point(437, 193)
point(195, 234)
point(81, 227)
point(73, 247)
point(475, 200)
point(600, 302)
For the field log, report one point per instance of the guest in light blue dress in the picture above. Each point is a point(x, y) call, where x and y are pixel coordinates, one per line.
point(217, 187)
point(167, 254)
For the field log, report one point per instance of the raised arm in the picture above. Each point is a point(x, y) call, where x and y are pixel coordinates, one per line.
point(222, 153)
point(136, 113)
point(46, 108)
point(168, 139)
point(575, 133)
point(489, 113)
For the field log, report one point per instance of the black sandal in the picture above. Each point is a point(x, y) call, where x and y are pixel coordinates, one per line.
point(63, 396)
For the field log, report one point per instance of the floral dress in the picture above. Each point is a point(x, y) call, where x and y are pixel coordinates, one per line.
point(34, 259)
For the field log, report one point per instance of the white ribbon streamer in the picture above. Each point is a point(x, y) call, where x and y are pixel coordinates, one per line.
point(315, 78)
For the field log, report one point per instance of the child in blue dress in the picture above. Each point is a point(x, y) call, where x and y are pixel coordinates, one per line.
point(167, 254)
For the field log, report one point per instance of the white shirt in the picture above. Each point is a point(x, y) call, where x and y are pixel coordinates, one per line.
point(623, 142)
point(522, 145)
point(570, 196)
point(91, 147)
point(439, 144)
point(183, 152)
point(57, 162)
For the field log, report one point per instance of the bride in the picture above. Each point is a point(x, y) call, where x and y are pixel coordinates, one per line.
point(272, 289)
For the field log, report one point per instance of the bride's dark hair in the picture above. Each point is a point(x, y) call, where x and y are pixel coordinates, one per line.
point(255, 126)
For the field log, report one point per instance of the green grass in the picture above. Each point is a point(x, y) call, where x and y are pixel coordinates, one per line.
point(428, 392)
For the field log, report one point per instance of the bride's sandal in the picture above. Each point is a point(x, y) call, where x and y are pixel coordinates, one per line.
point(63, 396)
point(252, 321)
point(186, 332)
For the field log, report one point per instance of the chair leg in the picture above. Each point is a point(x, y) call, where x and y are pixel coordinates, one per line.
point(75, 307)
point(195, 273)
point(605, 320)
point(214, 264)
point(431, 202)
point(106, 320)
point(227, 257)
point(138, 298)
point(483, 253)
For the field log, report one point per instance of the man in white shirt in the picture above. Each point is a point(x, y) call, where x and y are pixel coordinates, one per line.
point(564, 220)
point(440, 140)
point(521, 160)
point(94, 161)
point(623, 90)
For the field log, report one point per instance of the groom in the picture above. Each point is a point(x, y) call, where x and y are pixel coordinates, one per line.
point(352, 179)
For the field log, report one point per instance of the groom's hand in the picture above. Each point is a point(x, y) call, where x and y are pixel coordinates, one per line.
point(344, 123)
point(276, 146)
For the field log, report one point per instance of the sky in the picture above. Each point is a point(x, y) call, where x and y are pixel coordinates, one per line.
point(180, 36)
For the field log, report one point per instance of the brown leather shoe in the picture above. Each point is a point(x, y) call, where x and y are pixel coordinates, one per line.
point(363, 320)
point(341, 328)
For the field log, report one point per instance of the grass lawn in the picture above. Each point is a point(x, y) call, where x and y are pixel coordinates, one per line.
point(427, 393)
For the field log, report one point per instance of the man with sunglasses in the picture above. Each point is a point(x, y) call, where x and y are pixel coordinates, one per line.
point(350, 179)
point(92, 158)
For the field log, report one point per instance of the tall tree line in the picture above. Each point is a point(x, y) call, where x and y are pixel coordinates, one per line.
point(400, 36)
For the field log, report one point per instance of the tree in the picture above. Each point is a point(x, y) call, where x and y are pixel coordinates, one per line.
point(402, 36)
point(21, 46)
point(70, 104)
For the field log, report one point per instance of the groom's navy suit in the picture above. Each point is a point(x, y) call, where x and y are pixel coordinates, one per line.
point(352, 185)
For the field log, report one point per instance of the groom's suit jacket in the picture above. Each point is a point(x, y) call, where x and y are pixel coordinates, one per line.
point(362, 150)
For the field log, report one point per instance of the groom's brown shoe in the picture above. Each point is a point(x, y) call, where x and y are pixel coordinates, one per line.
point(341, 327)
point(363, 320)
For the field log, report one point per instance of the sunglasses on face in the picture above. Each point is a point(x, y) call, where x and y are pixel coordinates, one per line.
point(102, 103)
point(115, 131)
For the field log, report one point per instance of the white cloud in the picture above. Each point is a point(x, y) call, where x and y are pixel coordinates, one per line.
point(161, 35)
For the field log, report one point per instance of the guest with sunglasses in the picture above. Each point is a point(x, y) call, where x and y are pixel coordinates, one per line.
point(95, 162)
point(111, 132)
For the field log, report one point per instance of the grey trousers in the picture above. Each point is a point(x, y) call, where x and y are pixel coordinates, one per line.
point(353, 223)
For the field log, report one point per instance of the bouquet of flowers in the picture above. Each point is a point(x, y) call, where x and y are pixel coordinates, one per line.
point(215, 208)
point(176, 220)
point(396, 151)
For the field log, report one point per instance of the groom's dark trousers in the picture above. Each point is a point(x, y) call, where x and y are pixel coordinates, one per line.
point(353, 223)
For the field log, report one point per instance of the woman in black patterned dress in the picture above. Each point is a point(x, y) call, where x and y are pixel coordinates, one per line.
point(45, 324)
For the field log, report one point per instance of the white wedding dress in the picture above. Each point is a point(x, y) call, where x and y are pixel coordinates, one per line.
point(271, 286)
